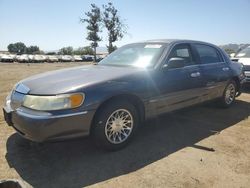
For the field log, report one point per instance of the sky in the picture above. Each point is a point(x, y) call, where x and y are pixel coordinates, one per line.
point(53, 24)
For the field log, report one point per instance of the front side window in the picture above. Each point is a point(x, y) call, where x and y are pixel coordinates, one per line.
point(182, 51)
point(208, 54)
point(138, 55)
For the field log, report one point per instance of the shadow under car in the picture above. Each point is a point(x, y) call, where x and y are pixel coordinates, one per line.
point(78, 163)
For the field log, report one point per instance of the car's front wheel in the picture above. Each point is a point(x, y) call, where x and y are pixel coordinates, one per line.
point(229, 94)
point(115, 124)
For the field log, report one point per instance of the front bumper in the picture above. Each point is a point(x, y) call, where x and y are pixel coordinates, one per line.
point(43, 126)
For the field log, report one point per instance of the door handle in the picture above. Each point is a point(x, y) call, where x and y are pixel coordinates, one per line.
point(225, 69)
point(195, 74)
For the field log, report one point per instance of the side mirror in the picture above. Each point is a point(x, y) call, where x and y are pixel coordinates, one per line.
point(175, 62)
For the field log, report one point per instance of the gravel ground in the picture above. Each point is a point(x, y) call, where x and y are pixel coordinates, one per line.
point(202, 146)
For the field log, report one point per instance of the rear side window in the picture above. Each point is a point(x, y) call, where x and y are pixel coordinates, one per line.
point(208, 54)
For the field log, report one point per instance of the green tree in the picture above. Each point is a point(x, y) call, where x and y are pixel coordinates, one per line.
point(114, 25)
point(93, 21)
point(229, 51)
point(18, 48)
point(39, 52)
point(32, 49)
point(87, 50)
point(66, 51)
point(51, 53)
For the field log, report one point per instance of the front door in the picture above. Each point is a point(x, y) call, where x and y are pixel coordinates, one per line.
point(177, 87)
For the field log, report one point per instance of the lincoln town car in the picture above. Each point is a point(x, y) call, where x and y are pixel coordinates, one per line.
point(109, 100)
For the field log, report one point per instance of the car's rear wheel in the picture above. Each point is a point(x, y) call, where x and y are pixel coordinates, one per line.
point(229, 94)
point(115, 124)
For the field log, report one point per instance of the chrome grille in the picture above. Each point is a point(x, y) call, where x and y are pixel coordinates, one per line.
point(16, 100)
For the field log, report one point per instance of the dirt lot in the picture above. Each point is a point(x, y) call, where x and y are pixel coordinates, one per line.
point(201, 146)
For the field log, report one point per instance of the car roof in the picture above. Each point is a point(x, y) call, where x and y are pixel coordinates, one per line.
point(168, 41)
point(163, 40)
point(176, 41)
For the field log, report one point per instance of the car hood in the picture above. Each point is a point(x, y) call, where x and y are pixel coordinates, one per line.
point(74, 79)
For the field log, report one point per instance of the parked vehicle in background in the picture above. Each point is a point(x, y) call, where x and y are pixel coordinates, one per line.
point(16, 58)
point(88, 58)
point(39, 59)
point(31, 58)
point(7, 58)
point(77, 58)
point(52, 59)
point(23, 58)
point(65, 58)
point(243, 56)
point(110, 99)
point(1, 56)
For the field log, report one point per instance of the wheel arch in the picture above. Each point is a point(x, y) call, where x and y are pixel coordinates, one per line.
point(133, 99)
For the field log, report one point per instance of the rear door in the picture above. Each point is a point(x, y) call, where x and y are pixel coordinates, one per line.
point(214, 69)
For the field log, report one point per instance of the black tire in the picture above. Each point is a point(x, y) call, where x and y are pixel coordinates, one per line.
point(100, 125)
point(224, 101)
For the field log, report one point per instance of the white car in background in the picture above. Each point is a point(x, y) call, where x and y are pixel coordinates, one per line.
point(31, 58)
point(17, 58)
point(7, 58)
point(39, 58)
point(243, 56)
point(23, 58)
point(52, 59)
point(65, 58)
point(77, 58)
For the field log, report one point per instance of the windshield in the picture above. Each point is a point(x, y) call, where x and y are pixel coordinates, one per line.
point(138, 55)
point(244, 53)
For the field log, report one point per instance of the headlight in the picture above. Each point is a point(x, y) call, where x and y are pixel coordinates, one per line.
point(58, 102)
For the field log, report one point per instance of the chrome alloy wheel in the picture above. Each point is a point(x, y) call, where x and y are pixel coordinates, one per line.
point(230, 93)
point(119, 126)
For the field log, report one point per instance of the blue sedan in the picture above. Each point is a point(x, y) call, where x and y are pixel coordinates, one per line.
point(110, 99)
